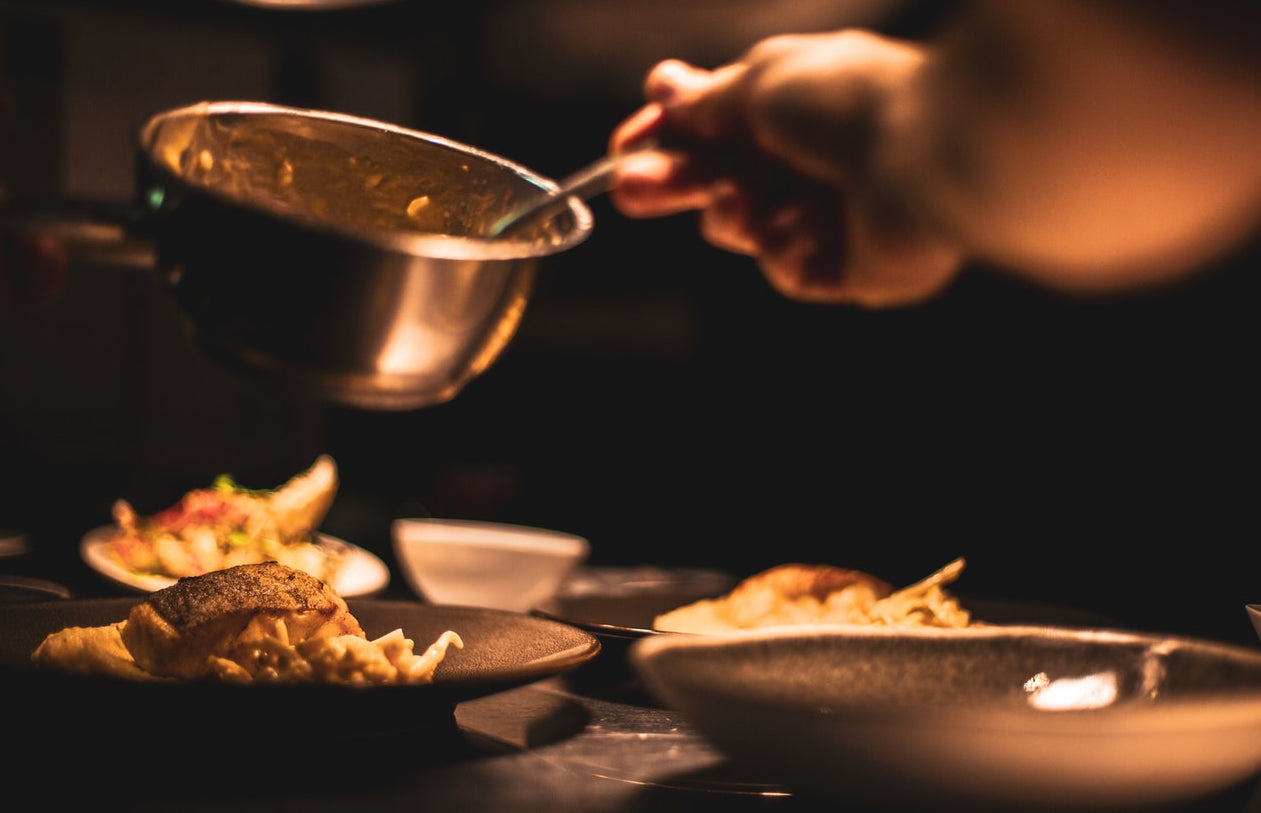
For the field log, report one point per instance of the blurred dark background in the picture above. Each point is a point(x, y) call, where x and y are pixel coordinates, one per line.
point(660, 398)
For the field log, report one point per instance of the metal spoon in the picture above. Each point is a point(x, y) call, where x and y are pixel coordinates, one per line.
point(593, 179)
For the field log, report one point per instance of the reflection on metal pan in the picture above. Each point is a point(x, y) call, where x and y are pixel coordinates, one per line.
point(341, 255)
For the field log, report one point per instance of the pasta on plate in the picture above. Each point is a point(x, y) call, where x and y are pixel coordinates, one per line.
point(259, 623)
point(799, 594)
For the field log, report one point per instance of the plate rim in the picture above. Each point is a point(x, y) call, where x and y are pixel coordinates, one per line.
point(91, 551)
point(646, 656)
point(584, 647)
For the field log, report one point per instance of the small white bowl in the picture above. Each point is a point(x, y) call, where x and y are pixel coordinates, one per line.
point(484, 564)
point(1254, 612)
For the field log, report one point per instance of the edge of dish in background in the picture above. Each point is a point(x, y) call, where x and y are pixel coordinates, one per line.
point(617, 605)
point(30, 588)
point(622, 601)
point(13, 543)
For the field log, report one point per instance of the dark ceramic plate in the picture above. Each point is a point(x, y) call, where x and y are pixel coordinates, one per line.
point(630, 617)
point(615, 602)
point(617, 605)
point(501, 650)
point(620, 603)
point(29, 588)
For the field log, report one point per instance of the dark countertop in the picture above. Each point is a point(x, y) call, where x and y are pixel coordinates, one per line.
point(534, 748)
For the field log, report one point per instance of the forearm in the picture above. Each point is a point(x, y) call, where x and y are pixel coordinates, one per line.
point(1056, 140)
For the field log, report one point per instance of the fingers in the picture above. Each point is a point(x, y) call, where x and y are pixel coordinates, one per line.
point(645, 123)
point(729, 221)
point(698, 105)
point(795, 242)
point(812, 245)
point(789, 203)
point(689, 110)
point(896, 269)
point(800, 260)
point(655, 183)
point(672, 89)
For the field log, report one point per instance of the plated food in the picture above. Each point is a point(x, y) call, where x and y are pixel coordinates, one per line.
point(360, 572)
point(795, 594)
point(179, 727)
point(501, 650)
point(228, 524)
point(263, 622)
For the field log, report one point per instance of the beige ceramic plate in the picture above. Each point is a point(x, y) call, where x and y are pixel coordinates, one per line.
point(1010, 718)
point(361, 574)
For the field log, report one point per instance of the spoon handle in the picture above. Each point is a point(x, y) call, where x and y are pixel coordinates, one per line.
point(593, 179)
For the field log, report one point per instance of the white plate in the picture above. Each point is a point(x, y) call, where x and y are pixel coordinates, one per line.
point(1002, 717)
point(362, 573)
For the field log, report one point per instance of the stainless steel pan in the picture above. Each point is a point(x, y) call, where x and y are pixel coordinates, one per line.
point(349, 256)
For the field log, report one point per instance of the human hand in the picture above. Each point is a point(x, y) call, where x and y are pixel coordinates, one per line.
point(780, 152)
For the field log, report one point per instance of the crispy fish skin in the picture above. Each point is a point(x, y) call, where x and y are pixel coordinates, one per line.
point(176, 630)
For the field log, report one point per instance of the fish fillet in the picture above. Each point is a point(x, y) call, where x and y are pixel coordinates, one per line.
point(177, 630)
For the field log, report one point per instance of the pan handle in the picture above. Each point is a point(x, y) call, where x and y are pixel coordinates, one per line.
point(91, 231)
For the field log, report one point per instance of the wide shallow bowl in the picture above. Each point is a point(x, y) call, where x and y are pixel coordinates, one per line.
point(485, 564)
point(1014, 717)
